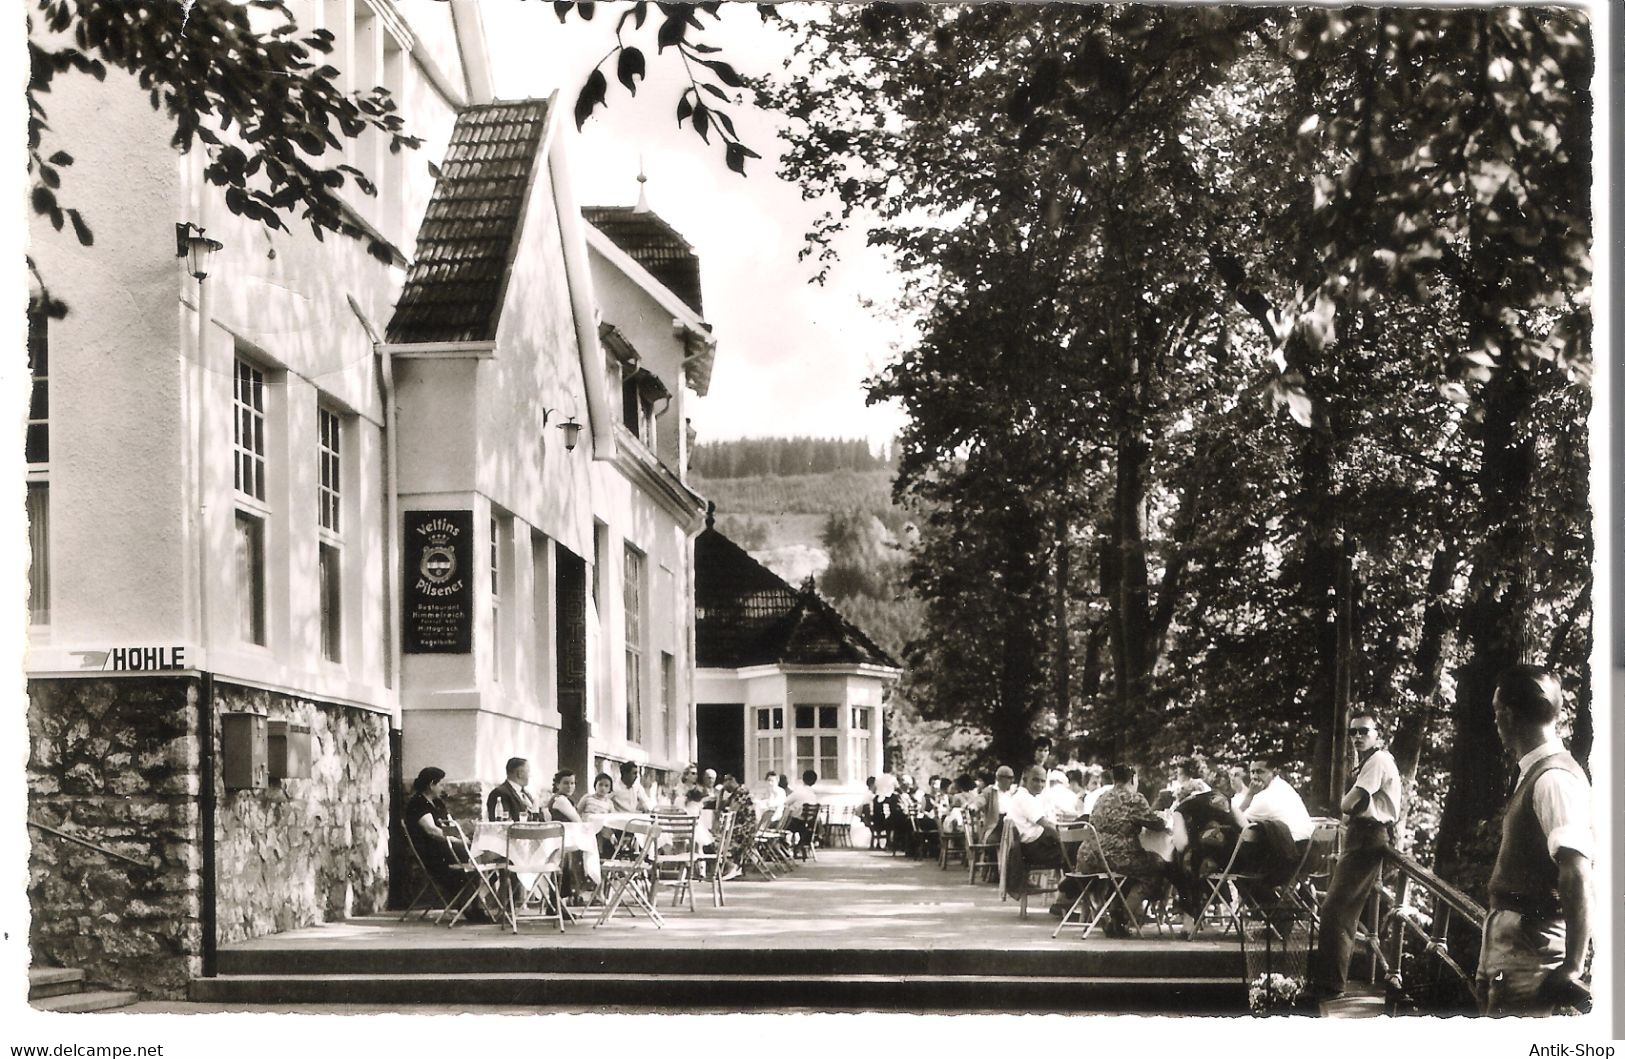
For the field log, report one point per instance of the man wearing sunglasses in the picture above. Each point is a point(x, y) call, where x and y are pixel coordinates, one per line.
point(1372, 806)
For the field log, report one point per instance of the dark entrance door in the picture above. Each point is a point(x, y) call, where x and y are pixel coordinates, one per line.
point(570, 625)
point(720, 735)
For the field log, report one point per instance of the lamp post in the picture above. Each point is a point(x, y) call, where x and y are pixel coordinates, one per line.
point(198, 250)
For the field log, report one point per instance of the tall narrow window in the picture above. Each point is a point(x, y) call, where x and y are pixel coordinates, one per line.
point(250, 578)
point(38, 451)
point(496, 599)
point(253, 514)
point(668, 700)
point(862, 739)
point(248, 430)
point(633, 593)
point(330, 555)
point(769, 741)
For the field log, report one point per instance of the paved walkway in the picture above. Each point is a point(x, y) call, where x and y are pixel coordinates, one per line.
point(849, 899)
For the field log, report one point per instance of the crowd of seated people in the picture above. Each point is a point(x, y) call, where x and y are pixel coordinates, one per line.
point(1164, 844)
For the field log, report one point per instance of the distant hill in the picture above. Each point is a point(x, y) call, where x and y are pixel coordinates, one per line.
point(778, 457)
point(780, 519)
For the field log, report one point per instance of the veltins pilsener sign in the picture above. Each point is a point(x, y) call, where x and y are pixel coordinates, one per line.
point(438, 602)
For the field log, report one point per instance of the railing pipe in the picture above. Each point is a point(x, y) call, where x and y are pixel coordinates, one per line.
point(48, 829)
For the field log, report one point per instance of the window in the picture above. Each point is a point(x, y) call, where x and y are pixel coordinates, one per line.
point(248, 449)
point(769, 740)
point(600, 552)
point(248, 430)
point(862, 739)
point(250, 578)
point(668, 699)
point(640, 389)
point(329, 556)
point(633, 589)
point(818, 746)
point(496, 598)
point(37, 448)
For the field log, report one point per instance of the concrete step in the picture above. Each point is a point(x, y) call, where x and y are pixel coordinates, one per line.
point(1069, 957)
point(79, 1002)
point(861, 992)
point(54, 981)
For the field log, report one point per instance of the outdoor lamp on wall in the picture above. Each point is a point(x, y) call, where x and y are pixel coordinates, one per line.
point(197, 248)
point(572, 429)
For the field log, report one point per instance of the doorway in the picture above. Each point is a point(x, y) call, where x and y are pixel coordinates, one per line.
point(720, 736)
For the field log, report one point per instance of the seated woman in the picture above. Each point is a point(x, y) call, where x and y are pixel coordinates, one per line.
point(428, 827)
point(1119, 815)
point(558, 805)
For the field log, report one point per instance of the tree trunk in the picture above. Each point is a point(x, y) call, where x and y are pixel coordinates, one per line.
point(1320, 577)
point(1131, 613)
point(1493, 623)
point(1063, 625)
point(1410, 734)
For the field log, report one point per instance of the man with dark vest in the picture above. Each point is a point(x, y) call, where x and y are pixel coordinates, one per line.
point(1539, 926)
point(1372, 807)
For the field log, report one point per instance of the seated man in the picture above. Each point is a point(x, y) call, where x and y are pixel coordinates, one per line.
point(801, 796)
point(1274, 846)
point(1059, 799)
point(769, 796)
point(1037, 845)
point(509, 800)
point(996, 798)
point(630, 796)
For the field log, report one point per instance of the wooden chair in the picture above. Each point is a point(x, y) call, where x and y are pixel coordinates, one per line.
point(951, 844)
point(538, 849)
point(983, 856)
point(810, 815)
point(1106, 882)
point(837, 827)
point(754, 855)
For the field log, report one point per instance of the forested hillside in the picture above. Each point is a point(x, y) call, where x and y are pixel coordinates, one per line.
point(751, 457)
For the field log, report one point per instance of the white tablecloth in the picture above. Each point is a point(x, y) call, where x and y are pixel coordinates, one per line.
point(1163, 843)
point(492, 837)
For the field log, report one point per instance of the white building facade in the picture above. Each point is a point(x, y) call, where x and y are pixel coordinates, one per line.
point(333, 493)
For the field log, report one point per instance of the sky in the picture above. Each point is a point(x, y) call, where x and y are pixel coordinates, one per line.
point(791, 356)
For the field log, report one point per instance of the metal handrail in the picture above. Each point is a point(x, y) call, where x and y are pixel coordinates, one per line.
point(48, 829)
point(1448, 906)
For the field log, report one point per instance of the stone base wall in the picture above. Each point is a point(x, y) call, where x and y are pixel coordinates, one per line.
point(114, 760)
point(305, 851)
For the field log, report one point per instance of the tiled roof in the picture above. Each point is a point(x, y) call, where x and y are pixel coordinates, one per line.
point(747, 615)
point(466, 245)
point(655, 245)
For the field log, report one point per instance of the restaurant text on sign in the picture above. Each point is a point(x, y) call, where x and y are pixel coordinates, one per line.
point(143, 659)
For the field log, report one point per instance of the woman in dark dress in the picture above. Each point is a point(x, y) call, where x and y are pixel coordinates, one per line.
point(429, 827)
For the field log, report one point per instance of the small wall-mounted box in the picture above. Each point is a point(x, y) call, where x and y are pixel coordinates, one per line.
point(243, 751)
point(290, 750)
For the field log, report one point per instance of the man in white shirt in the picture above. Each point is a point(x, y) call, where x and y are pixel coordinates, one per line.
point(1037, 845)
point(1539, 926)
point(1372, 807)
point(1270, 798)
point(1093, 796)
point(630, 796)
point(770, 796)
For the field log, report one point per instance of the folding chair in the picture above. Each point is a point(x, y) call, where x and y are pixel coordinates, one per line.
point(629, 873)
point(1314, 871)
point(809, 817)
point(951, 844)
point(479, 873)
point(677, 858)
point(837, 827)
point(430, 884)
point(721, 835)
point(538, 849)
point(1231, 888)
point(781, 839)
point(1107, 880)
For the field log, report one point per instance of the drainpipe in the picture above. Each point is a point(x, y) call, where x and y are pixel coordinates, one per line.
point(578, 277)
point(392, 495)
point(207, 920)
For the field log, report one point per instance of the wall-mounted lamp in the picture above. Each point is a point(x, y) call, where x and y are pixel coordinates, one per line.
point(197, 248)
point(572, 429)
